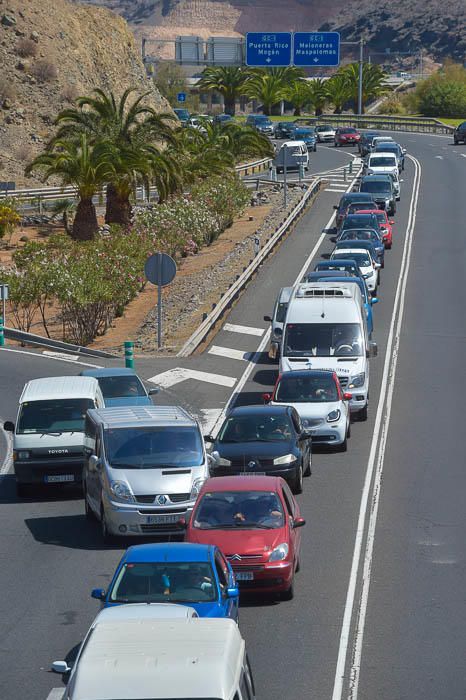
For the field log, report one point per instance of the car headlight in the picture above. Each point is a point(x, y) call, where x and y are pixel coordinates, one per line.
point(21, 454)
point(334, 415)
point(196, 487)
point(122, 491)
point(222, 462)
point(357, 381)
point(279, 553)
point(368, 274)
point(285, 459)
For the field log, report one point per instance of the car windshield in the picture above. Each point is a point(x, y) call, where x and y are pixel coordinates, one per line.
point(377, 186)
point(115, 387)
point(324, 128)
point(262, 120)
point(281, 313)
point(256, 428)
point(348, 131)
point(161, 582)
point(149, 448)
point(323, 339)
point(359, 206)
point(362, 259)
point(382, 162)
point(308, 389)
point(381, 218)
point(234, 509)
point(364, 221)
point(357, 234)
point(53, 416)
point(388, 147)
point(340, 267)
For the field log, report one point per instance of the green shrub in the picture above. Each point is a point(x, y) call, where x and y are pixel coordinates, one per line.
point(441, 95)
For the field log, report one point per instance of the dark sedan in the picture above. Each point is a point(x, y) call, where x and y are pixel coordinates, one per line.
point(267, 440)
point(365, 142)
point(459, 133)
point(284, 130)
point(347, 199)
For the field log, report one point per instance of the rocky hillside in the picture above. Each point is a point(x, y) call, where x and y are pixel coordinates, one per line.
point(49, 54)
point(437, 26)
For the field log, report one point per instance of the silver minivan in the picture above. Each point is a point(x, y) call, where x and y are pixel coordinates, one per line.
point(144, 467)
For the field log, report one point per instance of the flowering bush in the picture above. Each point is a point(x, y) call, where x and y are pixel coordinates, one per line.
point(9, 218)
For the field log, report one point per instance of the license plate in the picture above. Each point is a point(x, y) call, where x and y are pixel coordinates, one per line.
point(58, 478)
point(244, 575)
point(253, 474)
point(162, 519)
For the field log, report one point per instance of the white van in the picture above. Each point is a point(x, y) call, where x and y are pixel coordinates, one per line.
point(325, 328)
point(144, 467)
point(48, 445)
point(145, 657)
point(291, 155)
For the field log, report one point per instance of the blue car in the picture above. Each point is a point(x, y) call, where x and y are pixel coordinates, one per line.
point(191, 574)
point(366, 297)
point(121, 386)
point(306, 134)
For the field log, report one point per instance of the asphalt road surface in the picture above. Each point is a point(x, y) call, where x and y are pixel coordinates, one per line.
point(379, 609)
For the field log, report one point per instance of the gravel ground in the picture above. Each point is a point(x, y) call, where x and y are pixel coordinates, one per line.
point(191, 295)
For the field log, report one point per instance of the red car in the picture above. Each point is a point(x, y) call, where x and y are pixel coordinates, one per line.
point(385, 224)
point(347, 135)
point(256, 522)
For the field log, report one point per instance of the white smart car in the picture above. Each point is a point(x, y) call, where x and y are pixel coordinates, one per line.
point(363, 258)
point(319, 399)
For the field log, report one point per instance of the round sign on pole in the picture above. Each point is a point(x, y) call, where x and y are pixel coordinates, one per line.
point(160, 269)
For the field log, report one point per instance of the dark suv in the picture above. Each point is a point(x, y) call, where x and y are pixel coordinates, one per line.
point(459, 133)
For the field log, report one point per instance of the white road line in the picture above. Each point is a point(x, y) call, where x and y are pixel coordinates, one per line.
point(463, 155)
point(439, 157)
point(328, 189)
point(56, 694)
point(247, 330)
point(372, 496)
point(231, 353)
point(181, 374)
point(60, 355)
point(263, 344)
point(46, 357)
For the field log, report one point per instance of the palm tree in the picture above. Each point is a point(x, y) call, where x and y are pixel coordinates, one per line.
point(130, 128)
point(373, 79)
point(82, 165)
point(299, 95)
point(338, 91)
point(318, 95)
point(227, 80)
point(267, 87)
point(65, 207)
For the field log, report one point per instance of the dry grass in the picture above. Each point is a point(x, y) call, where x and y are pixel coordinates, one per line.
point(44, 71)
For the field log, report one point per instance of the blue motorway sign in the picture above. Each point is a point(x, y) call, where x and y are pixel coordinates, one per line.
point(316, 49)
point(181, 97)
point(272, 49)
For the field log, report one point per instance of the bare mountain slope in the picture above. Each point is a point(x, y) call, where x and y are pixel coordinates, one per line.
point(50, 52)
point(438, 26)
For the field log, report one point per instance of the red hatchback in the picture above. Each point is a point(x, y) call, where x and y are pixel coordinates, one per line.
point(347, 135)
point(385, 225)
point(256, 522)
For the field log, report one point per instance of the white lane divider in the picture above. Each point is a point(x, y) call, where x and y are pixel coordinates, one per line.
point(60, 355)
point(370, 496)
point(231, 353)
point(332, 189)
point(47, 357)
point(56, 694)
point(247, 330)
point(181, 374)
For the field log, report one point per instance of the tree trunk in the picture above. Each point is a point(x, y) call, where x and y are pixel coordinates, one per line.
point(318, 111)
point(297, 111)
point(230, 106)
point(85, 224)
point(118, 209)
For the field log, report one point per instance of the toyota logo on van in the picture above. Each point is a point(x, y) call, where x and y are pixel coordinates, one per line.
point(58, 452)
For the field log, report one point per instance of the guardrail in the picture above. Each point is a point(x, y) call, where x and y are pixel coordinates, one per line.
point(40, 341)
point(421, 125)
point(227, 299)
point(44, 194)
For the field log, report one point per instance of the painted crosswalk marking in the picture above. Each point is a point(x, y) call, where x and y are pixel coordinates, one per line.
point(231, 353)
point(181, 374)
point(247, 330)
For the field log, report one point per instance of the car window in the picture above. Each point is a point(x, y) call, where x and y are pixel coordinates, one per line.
point(115, 387)
point(162, 582)
point(222, 577)
point(288, 498)
point(231, 510)
point(256, 428)
point(296, 422)
point(305, 389)
point(281, 312)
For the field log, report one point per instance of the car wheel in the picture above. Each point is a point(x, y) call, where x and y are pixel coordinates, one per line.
point(288, 594)
point(362, 415)
point(298, 480)
point(106, 535)
point(308, 471)
point(22, 490)
point(455, 142)
point(315, 149)
point(344, 445)
point(298, 566)
point(348, 432)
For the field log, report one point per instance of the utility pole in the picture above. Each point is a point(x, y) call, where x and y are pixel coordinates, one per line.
point(361, 61)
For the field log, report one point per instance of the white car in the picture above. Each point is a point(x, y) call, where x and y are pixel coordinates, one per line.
point(363, 258)
point(317, 396)
point(198, 124)
point(325, 132)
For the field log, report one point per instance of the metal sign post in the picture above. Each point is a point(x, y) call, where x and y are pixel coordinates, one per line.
point(160, 269)
point(285, 187)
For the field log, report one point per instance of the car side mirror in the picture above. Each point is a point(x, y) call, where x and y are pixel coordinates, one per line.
point(306, 434)
point(153, 391)
point(266, 397)
point(335, 206)
point(208, 438)
point(94, 462)
point(232, 592)
point(377, 265)
point(98, 593)
point(298, 522)
point(391, 222)
point(347, 396)
point(268, 318)
point(374, 300)
point(9, 426)
point(61, 667)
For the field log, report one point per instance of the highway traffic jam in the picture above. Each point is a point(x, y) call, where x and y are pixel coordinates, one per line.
point(224, 507)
